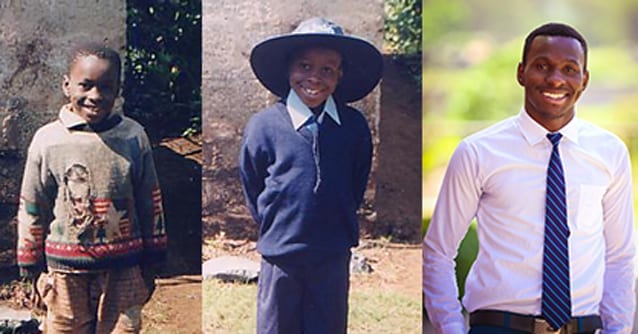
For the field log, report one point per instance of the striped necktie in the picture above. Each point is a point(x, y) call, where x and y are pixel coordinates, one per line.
point(310, 131)
point(556, 300)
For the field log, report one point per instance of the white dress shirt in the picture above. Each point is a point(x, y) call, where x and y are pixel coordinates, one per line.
point(300, 113)
point(498, 176)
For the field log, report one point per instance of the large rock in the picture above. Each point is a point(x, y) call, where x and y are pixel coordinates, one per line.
point(17, 321)
point(231, 269)
point(12, 314)
point(359, 264)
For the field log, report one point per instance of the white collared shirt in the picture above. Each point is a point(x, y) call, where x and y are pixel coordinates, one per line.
point(498, 176)
point(300, 113)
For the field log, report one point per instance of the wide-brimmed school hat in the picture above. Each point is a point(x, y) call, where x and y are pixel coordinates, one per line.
point(362, 63)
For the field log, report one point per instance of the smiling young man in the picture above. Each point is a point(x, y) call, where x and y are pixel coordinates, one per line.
point(552, 198)
point(90, 222)
point(304, 167)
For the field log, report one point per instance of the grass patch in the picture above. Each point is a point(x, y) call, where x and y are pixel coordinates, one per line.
point(230, 308)
point(377, 311)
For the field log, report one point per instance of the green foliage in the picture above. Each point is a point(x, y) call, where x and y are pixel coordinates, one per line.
point(438, 151)
point(402, 34)
point(441, 17)
point(480, 91)
point(163, 72)
point(402, 29)
point(466, 254)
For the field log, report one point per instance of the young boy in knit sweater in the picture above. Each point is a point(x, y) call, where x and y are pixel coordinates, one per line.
point(90, 221)
point(304, 167)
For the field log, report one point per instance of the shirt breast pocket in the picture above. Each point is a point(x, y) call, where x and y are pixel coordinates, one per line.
point(589, 214)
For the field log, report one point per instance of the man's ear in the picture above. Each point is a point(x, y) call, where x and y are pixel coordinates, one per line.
point(585, 79)
point(519, 74)
point(585, 82)
point(66, 83)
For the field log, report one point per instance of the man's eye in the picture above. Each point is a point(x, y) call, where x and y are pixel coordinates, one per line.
point(304, 66)
point(570, 69)
point(541, 67)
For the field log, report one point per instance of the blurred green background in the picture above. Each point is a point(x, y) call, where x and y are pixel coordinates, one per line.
point(470, 52)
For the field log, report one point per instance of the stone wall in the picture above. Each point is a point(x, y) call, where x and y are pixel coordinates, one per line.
point(230, 91)
point(34, 38)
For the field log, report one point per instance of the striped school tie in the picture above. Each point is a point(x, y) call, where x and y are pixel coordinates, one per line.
point(310, 131)
point(556, 300)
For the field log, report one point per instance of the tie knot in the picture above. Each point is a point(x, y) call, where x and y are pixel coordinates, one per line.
point(554, 137)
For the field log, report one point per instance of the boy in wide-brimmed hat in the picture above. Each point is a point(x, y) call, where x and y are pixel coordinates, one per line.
point(304, 167)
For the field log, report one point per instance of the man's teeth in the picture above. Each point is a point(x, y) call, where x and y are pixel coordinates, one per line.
point(554, 96)
point(311, 91)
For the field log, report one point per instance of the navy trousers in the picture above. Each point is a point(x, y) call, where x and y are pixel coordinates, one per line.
point(295, 297)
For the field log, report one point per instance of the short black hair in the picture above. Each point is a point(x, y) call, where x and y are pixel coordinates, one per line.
point(555, 29)
point(92, 48)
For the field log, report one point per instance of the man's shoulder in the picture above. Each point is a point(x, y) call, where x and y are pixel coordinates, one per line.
point(267, 117)
point(131, 125)
point(587, 128)
point(350, 111)
point(596, 135)
point(494, 131)
point(49, 131)
point(270, 111)
point(353, 118)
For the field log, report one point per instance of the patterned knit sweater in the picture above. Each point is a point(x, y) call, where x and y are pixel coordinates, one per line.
point(90, 199)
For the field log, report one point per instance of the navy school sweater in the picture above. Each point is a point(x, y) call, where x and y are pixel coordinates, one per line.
point(278, 174)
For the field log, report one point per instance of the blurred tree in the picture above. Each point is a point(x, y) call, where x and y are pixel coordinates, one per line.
point(441, 17)
point(163, 72)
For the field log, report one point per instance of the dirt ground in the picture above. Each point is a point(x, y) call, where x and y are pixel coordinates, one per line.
point(175, 306)
point(396, 266)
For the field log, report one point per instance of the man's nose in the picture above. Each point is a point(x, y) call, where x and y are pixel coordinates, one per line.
point(555, 78)
point(94, 93)
point(314, 77)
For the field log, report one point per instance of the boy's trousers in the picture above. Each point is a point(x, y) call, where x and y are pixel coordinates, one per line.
point(103, 302)
point(308, 297)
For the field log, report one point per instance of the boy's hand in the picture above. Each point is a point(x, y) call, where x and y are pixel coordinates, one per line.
point(36, 297)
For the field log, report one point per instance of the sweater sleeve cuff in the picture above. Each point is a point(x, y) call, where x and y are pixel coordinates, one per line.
point(155, 249)
point(31, 271)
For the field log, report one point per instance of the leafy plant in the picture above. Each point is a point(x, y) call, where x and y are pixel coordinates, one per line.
point(402, 34)
point(163, 72)
point(402, 31)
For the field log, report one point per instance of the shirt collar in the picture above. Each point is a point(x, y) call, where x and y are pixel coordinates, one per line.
point(300, 113)
point(71, 120)
point(535, 133)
